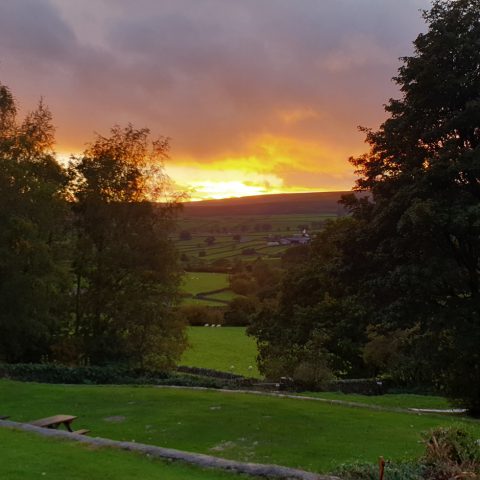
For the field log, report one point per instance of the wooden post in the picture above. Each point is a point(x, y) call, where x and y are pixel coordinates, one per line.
point(381, 464)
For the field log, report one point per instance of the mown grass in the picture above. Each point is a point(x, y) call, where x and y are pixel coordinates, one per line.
point(198, 282)
point(27, 456)
point(297, 433)
point(220, 349)
point(387, 400)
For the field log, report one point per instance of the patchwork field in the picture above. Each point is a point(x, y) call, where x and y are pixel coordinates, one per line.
point(198, 282)
point(298, 433)
point(201, 283)
point(220, 349)
point(221, 240)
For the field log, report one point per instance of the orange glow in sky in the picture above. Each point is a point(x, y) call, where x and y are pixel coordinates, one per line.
point(257, 97)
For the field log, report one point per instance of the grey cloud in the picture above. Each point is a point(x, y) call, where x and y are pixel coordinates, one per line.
point(209, 73)
point(33, 28)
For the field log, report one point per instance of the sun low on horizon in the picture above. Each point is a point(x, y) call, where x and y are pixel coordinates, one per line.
point(256, 97)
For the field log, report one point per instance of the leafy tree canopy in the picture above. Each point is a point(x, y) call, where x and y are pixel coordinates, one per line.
point(407, 261)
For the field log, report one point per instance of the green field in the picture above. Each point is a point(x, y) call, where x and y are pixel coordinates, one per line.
point(251, 224)
point(27, 456)
point(195, 283)
point(298, 433)
point(227, 249)
point(198, 282)
point(254, 231)
point(221, 348)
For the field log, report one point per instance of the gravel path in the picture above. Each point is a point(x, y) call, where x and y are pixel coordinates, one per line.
point(345, 403)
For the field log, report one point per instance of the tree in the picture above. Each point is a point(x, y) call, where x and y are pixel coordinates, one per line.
point(185, 235)
point(240, 310)
point(242, 283)
point(33, 253)
point(410, 259)
point(126, 266)
point(199, 315)
point(317, 317)
point(210, 240)
point(423, 170)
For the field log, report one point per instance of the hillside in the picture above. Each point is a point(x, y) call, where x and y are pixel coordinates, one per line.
point(278, 204)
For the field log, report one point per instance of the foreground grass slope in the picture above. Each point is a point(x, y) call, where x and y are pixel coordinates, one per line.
point(27, 456)
point(220, 349)
point(297, 433)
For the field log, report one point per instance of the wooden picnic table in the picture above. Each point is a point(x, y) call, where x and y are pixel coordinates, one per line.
point(55, 422)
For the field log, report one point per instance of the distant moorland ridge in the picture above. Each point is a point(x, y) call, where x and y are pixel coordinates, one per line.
point(276, 204)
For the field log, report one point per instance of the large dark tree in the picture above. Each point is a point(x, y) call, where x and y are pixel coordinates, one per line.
point(33, 267)
point(126, 266)
point(423, 170)
point(410, 263)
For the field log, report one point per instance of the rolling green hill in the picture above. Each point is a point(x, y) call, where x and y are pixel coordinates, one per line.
point(286, 203)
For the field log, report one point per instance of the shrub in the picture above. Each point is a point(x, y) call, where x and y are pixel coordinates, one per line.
point(199, 315)
point(451, 453)
point(393, 471)
point(312, 375)
point(210, 240)
point(242, 284)
point(113, 375)
point(240, 311)
point(185, 235)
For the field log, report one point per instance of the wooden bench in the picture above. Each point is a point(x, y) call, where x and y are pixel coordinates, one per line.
point(82, 431)
point(55, 422)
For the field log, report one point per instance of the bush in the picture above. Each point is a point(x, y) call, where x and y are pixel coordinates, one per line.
point(240, 311)
point(199, 315)
point(451, 453)
point(364, 471)
point(113, 375)
point(312, 375)
point(185, 235)
point(242, 284)
point(53, 373)
point(210, 240)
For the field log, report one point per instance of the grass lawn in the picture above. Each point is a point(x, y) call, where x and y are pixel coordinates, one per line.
point(388, 400)
point(198, 282)
point(26, 456)
point(297, 433)
point(220, 348)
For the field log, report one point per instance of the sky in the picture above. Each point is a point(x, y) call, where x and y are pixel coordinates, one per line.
point(257, 96)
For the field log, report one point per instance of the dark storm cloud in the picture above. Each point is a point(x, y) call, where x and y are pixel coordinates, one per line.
point(212, 74)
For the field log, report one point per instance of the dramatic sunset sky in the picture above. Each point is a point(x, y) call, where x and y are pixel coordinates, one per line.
point(258, 96)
